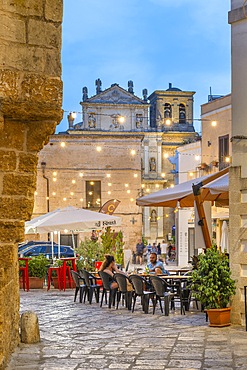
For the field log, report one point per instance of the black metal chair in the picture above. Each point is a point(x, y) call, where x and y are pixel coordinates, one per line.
point(139, 285)
point(175, 289)
point(79, 285)
point(106, 281)
point(123, 290)
point(162, 292)
point(92, 287)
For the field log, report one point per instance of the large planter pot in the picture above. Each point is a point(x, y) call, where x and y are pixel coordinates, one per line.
point(219, 316)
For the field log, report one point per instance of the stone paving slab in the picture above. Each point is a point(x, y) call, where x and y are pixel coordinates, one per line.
point(78, 336)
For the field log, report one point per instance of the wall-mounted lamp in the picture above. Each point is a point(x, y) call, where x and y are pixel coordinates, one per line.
point(209, 143)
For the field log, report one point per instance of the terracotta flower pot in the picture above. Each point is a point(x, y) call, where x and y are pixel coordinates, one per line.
point(219, 316)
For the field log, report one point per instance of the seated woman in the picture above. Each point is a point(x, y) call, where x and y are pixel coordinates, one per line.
point(109, 266)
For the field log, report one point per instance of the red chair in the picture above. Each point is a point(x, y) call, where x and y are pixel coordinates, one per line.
point(98, 265)
point(65, 271)
point(25, 274)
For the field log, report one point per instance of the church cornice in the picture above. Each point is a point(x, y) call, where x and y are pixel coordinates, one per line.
point(114, 94)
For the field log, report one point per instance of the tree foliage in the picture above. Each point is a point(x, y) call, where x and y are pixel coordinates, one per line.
point(89, 251)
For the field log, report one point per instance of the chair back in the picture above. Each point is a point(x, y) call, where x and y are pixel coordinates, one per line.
point(159, 285)
point(76, 277)
point(89, 278)
point(106, 280)
point(121, 279)
point(138, 283)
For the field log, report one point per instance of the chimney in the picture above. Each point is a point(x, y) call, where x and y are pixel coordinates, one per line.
point(170, 85)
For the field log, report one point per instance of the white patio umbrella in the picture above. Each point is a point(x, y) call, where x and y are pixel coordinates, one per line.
point(224, 242)
point(70, 219)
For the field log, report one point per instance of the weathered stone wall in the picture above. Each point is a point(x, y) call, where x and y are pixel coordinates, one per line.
point(238, 172)
point(238, 240)
point(30, 108)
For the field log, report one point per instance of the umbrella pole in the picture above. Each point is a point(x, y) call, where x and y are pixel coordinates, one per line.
point(58, 244)
point(73, 239)
point(52, 246)
point(201, 213)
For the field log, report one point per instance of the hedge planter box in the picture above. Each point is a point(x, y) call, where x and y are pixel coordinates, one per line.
point(34, 283)
point(219, 316)
point(55, 283)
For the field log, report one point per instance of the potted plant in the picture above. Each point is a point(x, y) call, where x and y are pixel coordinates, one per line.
point(37, 269)
point(214, 286)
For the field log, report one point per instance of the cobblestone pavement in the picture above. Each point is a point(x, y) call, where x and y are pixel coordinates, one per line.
point(80, 336)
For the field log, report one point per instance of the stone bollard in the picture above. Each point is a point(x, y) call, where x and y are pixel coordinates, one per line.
point(29, 327)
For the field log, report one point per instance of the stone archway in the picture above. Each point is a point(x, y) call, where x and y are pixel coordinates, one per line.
point(30, 109)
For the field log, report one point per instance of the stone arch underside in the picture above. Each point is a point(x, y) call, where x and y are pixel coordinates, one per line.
point(30, 109)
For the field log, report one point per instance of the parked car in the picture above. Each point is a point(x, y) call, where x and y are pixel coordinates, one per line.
point(46, 249)
point(25, 245)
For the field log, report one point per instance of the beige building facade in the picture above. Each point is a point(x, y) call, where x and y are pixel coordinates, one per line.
point(116, 149)
point(216, 133)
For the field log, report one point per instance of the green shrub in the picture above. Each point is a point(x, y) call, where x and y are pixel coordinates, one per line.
point(212, 280)
point(37, 266)
point(89, 251)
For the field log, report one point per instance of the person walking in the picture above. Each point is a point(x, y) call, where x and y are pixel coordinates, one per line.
point(139, 251)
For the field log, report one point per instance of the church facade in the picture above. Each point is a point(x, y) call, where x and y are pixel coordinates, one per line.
point(120, 150)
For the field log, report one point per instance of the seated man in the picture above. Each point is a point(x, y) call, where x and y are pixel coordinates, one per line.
point(156, 266)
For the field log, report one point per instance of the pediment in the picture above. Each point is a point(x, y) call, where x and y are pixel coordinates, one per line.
point(115, 95)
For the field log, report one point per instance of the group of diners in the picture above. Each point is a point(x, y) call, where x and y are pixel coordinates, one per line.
point(147, 285)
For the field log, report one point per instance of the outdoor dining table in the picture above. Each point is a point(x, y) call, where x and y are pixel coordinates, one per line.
point(179, 271)
point(64, 270)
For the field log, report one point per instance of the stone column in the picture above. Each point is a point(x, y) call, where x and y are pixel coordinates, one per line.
point(30, 109)
point(238, 171)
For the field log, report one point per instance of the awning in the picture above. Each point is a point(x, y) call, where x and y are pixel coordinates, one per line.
point(183, 193)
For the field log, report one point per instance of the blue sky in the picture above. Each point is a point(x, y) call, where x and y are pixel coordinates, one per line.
point(152, 42)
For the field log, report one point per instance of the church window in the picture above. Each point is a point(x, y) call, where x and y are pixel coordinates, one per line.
point(182, 113)
point(93, 194)
point(139, 120)
point(167, 111)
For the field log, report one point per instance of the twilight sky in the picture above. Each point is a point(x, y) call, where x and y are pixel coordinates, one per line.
point(152, 42)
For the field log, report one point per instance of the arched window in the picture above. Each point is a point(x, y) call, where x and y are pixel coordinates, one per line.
point(182, 113)
point(167, 111)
